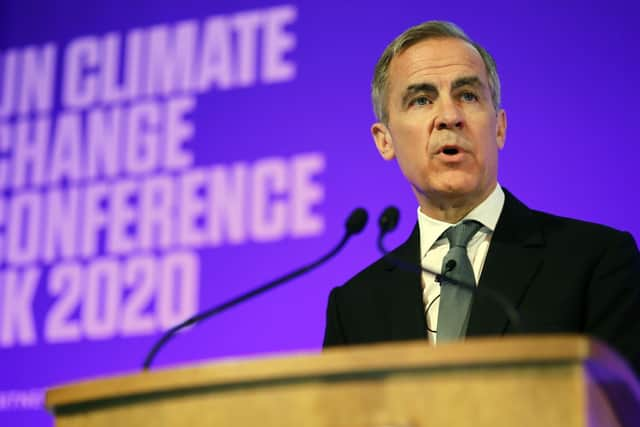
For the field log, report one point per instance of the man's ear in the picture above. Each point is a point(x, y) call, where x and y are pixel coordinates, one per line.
point(501, 128)
point(383, 140)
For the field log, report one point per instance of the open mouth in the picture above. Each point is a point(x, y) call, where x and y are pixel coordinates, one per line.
point(450, 151)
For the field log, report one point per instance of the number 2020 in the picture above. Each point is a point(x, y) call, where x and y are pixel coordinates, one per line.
point(109, 297)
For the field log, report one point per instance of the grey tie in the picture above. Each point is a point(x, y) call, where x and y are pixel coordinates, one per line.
point(455, 300)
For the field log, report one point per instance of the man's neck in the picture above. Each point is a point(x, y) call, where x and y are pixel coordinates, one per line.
point(451, 209)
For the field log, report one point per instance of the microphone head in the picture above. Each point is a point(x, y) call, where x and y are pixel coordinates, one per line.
point(388, 220)
point(357, 221)
point(450, 265)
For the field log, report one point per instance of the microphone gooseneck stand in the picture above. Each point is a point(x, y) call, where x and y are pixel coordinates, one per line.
point(355, 224)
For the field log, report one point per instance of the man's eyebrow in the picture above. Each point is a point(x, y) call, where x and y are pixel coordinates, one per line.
point(467, 81)
point(418, 88)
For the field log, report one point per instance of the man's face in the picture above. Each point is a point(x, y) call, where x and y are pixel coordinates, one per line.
point(442, 127)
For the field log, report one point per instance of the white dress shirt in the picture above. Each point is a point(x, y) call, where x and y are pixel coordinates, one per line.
point(434, 246)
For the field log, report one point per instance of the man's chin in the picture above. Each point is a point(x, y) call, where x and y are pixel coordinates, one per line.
point(456, 193)
point(456, 188)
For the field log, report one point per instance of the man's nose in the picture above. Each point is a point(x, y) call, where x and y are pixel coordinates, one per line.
point(449, 115)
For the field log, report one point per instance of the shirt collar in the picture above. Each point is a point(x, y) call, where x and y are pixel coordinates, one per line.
point(486, 213)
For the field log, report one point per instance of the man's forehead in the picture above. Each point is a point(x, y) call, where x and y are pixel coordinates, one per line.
point(441, 60)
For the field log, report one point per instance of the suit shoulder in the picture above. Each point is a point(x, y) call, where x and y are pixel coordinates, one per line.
point(578, 232)
point(556, 226)
point(576, 225)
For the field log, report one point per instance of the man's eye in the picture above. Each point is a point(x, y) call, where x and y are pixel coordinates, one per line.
point(469, 96)
point(420, 100)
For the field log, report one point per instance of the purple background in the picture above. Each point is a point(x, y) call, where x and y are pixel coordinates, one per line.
point(568, 72)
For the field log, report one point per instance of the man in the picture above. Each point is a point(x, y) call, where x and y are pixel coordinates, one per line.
point(436, 95)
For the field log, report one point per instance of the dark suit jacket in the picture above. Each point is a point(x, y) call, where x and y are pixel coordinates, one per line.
point(562, 275)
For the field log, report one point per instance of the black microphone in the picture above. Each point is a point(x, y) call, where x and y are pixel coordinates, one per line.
point(354, 225)
point(388, 221)
point(448, 267)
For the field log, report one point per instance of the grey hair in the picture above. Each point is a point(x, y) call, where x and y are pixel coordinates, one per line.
point(424, 31)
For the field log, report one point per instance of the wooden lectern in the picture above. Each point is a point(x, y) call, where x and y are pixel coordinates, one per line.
point(561, 380)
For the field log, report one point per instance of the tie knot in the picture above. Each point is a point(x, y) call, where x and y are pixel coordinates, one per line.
point(462, 233)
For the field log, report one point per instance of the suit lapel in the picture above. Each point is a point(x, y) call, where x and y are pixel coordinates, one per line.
point(402, 289)
point(514, 257)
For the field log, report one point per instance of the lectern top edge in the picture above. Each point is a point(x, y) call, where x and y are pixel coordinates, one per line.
point(477, 352)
